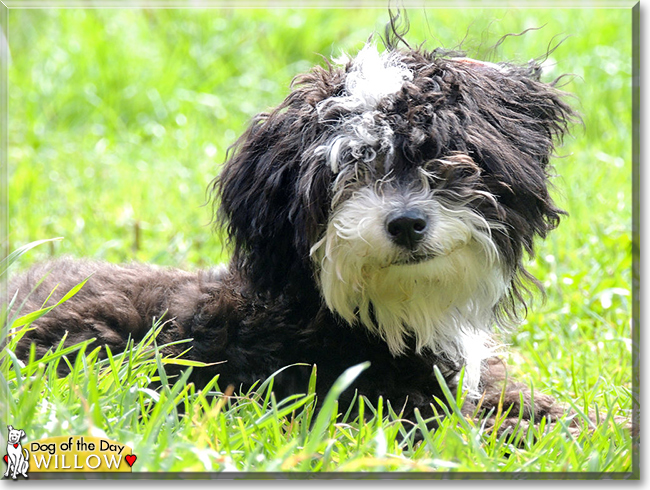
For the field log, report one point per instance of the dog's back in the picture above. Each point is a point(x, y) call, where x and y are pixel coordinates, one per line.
point(116, 302)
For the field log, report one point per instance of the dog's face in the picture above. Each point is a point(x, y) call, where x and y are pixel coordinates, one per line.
point(14, 435)
point(406, 186)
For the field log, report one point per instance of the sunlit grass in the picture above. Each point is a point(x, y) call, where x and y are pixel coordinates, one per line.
point(116, 129)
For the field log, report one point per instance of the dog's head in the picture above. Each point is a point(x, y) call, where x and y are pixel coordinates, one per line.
point(406, 185)
point(15, 435)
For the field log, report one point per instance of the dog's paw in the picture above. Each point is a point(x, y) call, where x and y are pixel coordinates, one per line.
point(502, 398)
point(517, 429)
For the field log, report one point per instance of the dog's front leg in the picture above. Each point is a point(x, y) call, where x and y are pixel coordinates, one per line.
point(514, 404)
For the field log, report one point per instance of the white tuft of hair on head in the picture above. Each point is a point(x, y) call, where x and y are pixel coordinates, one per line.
point(371, 78)
point(374, 76)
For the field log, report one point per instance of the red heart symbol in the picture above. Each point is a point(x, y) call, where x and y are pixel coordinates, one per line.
point(130, 458)
point(6, 459)
point(15, 445)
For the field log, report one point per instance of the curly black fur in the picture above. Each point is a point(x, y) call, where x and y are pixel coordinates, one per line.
point(478, 129)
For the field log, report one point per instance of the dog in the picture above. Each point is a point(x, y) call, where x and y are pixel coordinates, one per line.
point(17, 456)
point(380, 213)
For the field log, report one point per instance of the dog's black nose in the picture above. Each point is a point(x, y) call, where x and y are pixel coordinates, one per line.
point(407, 228)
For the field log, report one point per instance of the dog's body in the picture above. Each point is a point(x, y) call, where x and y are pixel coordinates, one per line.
point(379, 214)
point(17, 457)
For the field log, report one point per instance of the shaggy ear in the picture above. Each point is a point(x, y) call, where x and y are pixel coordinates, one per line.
point(543, 119)
point(271, 195)
point(527, 119)
point(544, 110)
point(255, 189)
point(522, 121)
point(261, 193)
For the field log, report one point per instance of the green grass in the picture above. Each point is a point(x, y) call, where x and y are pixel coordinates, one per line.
point(118, 120)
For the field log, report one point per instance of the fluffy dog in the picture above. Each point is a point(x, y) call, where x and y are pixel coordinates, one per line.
point(17, 456)
point(380, 213)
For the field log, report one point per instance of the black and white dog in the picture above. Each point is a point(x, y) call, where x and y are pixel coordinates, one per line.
point(380, 213)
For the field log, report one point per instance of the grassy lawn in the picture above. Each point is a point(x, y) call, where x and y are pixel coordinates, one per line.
point(119, 119)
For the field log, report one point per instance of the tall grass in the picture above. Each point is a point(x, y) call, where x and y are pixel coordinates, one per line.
point(119, 119)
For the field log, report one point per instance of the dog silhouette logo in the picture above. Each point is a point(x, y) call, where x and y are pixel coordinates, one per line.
point(17, 457)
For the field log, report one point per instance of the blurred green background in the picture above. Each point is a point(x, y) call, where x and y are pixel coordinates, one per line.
point(119, 119)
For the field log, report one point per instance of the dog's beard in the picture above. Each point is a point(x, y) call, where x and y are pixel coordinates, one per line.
point(443, 293)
